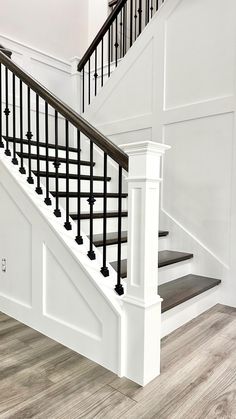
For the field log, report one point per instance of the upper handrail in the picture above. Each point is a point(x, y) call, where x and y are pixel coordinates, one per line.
point(119, 156)
point(111, 18)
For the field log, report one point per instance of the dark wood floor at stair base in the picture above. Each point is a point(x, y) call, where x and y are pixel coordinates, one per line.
point(166, 257)
point(183, 289)
point(112, 238)
point(41, 378)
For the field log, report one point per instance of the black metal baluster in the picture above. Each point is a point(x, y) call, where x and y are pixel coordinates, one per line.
point(157, 6)
point(151, 8)
point(96, 73)
point(124, 29)
point(104, 269)
point(121, 30)
point(47, 200)
point(14, 159)
point(1, 141)
point(38, 188)
point(89, 81)
point(116, 43)
point(56, 164)
point(140, 16)
point(147, 11)
point(67, 224)
point(135, 20)
point(112, 37)
point(102, 69)
point(7, 113)
point(131, 23)
point(29, 135)
point(22, 169)
point(119, 287)
point(83, 90)
point(91, 201)
point(79, 238)
point(109, 52)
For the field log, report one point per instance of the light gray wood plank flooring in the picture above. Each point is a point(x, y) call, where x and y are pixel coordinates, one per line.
point(40, 378)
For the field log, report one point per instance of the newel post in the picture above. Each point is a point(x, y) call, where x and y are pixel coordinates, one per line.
point(76, 82)
point(142, 303)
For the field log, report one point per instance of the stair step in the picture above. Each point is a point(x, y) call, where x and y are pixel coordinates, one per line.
point(165, 258)
point(87, 194)
point(97, 215)
point(112, 238)
point(71, 176)
point(41, 144)
point(183, 289)
point(52, 159)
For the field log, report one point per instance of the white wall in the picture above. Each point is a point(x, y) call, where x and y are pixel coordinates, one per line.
point(177, 84)
point(63, 28)
point(58, 27)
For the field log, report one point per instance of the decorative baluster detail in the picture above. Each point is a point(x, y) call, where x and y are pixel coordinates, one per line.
point(157, 5)
point(116, 43)
point(120, 36)
point(83, 93)
point(140, 16)
point(79, 238)
point(104, 269)
point(22, 169)
point(151, 8)
point(91, 201)
point(119, 287)
point(67, 224)
point(135, 19)
point(102, 63)
point(29, 135)
point(109, 52)
point(47, 200)
point(1, 142)
point(7, 113)
point(131, 23)
point(124, 29)
point(96, 73)
point(89, 81)
point(56, 164)
point(38, 188)
point(14, 159)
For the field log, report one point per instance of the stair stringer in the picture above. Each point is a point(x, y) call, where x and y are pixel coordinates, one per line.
point(50, 283)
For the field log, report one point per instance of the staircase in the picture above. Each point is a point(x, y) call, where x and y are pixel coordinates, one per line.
point(83, 176)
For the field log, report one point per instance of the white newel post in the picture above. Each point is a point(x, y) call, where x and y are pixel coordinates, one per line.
point(76, 85)
point(142, 303)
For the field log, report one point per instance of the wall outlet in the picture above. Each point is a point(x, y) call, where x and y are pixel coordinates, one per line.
point(4, 265)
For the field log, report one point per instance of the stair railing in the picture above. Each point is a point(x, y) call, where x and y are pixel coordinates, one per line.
point(29, 113)
point(125, 23)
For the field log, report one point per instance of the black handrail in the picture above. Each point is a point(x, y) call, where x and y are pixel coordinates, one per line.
point(104, 29)
point(69, 114)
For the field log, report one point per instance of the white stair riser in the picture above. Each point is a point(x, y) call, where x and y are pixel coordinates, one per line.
point(98, 225)
point(171, 272)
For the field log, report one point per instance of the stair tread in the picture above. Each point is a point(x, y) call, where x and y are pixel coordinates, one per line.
point(112, 238)
point(52, 159)
point(87, 194)
point(183, 289)
point(71, 176)
point(98, 214)
point(165, 258)
point(41, 144)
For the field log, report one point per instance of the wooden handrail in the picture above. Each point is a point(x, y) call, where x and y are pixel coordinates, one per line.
point(69, 114)
point(111, 18)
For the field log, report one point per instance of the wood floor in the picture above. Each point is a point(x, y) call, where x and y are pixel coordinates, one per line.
point(41, 379)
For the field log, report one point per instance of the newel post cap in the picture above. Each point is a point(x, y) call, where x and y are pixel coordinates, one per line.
point(145, 147)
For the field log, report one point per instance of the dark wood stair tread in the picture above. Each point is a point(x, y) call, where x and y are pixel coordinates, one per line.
point(71, 176)
point(41, 144)
point(87, 194)
point(183, 289)
point(52, 159)
point(97, 215)
point(165, 258)
point(112, 238)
